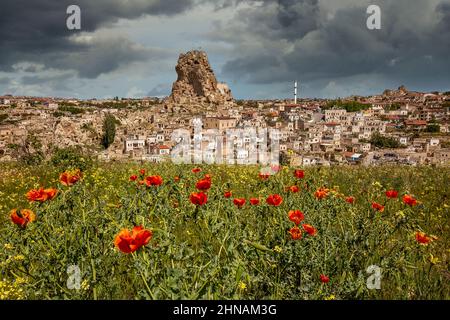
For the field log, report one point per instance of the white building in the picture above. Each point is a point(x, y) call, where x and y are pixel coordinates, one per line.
point(134, 143)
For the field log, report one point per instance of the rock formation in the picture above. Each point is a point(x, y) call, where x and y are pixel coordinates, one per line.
point(196, 82)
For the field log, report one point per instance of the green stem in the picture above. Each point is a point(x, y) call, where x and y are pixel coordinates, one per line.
point(145, 283)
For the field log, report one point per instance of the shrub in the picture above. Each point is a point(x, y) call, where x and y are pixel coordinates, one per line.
point(433, 128)
point(3, 117)
point(32, 159)
point(384, 142)
point(349, 106)
point(70, 109)
point(71, 158)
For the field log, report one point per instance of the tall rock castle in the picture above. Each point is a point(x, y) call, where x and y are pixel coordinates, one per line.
point(196, 82)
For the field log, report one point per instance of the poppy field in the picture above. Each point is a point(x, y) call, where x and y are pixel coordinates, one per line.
point(166, 231)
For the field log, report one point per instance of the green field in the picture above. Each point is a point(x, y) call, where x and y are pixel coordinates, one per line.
point(221, 251)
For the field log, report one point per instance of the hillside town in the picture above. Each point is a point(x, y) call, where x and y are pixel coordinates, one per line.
point(396, 126)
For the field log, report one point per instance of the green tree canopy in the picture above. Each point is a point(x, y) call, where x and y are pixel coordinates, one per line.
point(349, 106)
point(384, 142)
point(109, 130)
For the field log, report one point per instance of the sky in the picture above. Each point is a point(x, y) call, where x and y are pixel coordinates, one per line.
point(129, 48)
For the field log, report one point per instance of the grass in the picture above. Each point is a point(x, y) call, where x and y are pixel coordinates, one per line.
point(219, 251)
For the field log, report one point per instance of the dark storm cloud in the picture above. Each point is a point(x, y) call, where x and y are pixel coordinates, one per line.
point(443, 27)
point(267, 42)
point(413, 44)
point(278, 19)
point(289, 19)
point(35, 31)
point(101, 55)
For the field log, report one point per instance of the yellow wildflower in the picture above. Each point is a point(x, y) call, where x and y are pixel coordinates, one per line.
point(400, 214)
point(434, 260)
point(242, 286)
point(85, 285)
point(278, 249)
point(377, 184)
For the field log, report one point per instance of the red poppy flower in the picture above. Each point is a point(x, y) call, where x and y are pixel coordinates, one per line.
point(51, 193)
point(22, 217)
point(196, 170)
point(264, 176)
point(41, 194)
point(227, 194)
point(324, 278)
point(296, 233)
point(142, 172)
point(208, 176)
point(350, 200)
point(239, 202)
point(422, 238)
point(254, 201)
point(203, 184)
point(130, 242)
point(199, 198)
point(133, 178)
point(274, 200)
point(294, 189)
point(309, 229)
point(153, 181)
point(69, 178)
point(321, 193)
point(296, 216)
point(409, 200)
point(392, 194)
point(176, 179)
point(377, 206)
point(299, 174)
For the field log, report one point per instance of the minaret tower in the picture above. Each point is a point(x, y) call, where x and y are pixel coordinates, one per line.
point(295, 92)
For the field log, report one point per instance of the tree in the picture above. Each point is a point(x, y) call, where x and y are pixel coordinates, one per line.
point(109, 130)
point(384, 142)
point(433, 128)
point(349, 106)
point(71, 109)
point(393, 107)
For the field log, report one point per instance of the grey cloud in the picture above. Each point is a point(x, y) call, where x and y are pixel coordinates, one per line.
point(57, 82)
point(161, 90)
point(324, 44)
point(294, 18)
point(101, 55)
point(4, 80)
point(282, 19)
point(38, 79)
point(35, 31)
point(413, 45)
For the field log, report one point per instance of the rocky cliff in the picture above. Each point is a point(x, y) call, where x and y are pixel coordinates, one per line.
point(196, 82)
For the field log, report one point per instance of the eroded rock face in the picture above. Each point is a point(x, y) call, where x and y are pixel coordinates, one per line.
point(196, 83)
